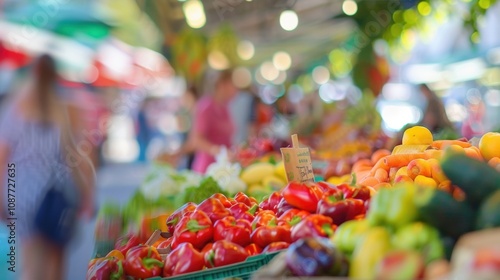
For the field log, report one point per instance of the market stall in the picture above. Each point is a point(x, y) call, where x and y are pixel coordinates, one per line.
point(391, 220)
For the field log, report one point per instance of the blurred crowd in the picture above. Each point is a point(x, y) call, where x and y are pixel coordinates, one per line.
point(123, 124)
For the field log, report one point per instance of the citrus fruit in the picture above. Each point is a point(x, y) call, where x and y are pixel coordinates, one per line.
point(489, 145)
point(417, 135)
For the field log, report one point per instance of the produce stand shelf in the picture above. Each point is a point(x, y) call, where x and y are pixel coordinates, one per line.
point(242, 270)
point(102, 248)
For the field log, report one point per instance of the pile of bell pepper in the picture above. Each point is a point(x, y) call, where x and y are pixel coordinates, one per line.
point(391, 225)
point(225, 230)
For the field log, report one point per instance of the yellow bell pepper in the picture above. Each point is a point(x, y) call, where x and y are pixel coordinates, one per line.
point(368, 252)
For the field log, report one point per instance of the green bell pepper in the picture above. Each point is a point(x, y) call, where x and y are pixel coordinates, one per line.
point(348, 234)
point(393, 207)
point(402, 209)
point(421, 237)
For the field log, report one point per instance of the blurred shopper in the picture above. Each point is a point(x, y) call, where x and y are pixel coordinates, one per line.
point(284, 117)
point(185, 115)
point(93, 112)
point(435, 118)
point(144, 130)
point(213, 126)
point(41, 144)
point(473, 124)
point(310, 113)
point(264, 114)
point(6, 79)
point(244, 113)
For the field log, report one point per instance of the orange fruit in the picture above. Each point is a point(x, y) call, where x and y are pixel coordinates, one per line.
point(417, 135)
point(495, 163)
point(489, 145)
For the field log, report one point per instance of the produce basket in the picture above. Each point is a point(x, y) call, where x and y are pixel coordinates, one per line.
point(243, 270)
point(102, 248)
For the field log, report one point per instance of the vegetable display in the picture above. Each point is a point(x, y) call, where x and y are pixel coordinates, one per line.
point(143, 261)
point(399, 216)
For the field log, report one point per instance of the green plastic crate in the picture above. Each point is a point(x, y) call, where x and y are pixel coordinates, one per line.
point(102, 248)
point(243, 270)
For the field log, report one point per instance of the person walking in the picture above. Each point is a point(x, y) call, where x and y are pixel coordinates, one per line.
point(39, 146)
point(213, 127)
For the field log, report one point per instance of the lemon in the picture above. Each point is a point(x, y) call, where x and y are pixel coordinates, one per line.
point(489, 145)
point(417, 135)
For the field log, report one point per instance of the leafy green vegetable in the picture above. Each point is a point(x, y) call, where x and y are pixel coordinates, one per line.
point(446, 134)
point(109, 209)
point(207, 188)
point(132, 212)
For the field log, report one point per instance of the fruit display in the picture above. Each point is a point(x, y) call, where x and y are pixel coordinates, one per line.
point(401, 214)
point(264, 177)
point(416, 160)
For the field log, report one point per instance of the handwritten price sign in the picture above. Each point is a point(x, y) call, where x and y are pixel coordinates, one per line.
point(297, 162)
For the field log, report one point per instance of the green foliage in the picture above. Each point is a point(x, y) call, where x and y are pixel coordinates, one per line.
point(364, 115)
point(446, 134)
point(133, 210)
point(197, 194)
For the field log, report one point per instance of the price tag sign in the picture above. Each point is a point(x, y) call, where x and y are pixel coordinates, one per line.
point(297, 162)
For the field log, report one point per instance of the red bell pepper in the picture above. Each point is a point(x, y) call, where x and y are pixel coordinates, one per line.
point(227, 202)
point(276, 246)
point(183, 259)
point(340, 210)
point(107, 268)
point(242, 211)
point(207, 248)
point(253, 249)
point(124, 243)
point(265, 235)
point(271, 202)
point(225, 252)
point(243, 198)
point(283, 206)
point(143, 262)
point(292, 217)
point(177, 215)
point(325, 186)
point(367, 205)
point(314, 225)
point(195, 228)
point(214, 209)
point(334, 194)
point(304, 196)
point(234, 230)
point(361, 192)
point(165, 243)
point(263, 218)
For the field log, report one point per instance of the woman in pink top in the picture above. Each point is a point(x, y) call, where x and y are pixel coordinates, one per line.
point(213, 127)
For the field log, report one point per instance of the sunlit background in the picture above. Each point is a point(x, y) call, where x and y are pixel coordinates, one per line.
point(132, 50)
